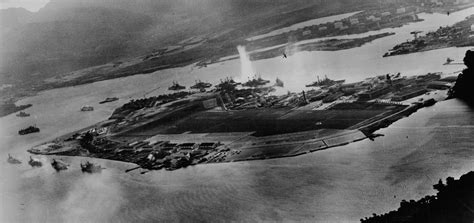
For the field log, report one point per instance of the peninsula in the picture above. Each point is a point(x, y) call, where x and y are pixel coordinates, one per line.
point(245, 121)
point(460, 34)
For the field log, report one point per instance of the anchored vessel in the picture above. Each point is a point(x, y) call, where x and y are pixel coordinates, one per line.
point(448, 61)
point(255, 82)
point(326, 82)
point(13, 160)
point(201, 85)
point(87, 108)
point(176, 86)
point(90, 167)
point(108, 100)
point(30, 129)
point(59, 165)
point(35, 162)
point(22, 114)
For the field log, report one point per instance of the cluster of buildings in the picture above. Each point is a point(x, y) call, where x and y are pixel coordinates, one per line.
point(166, 154)
point(361, 22)
point(437, 3)
point(136, 137)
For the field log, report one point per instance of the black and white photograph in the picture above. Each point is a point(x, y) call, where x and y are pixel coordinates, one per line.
point(237, 111)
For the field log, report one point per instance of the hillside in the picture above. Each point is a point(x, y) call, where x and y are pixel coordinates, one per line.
point(69, 35)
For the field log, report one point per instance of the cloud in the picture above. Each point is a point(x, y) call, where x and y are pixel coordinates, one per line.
point(93, 198)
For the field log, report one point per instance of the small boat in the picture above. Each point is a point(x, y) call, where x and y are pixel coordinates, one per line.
point(448, 61)
point(87, 108)
point(22, 114)
point(59, 165)
point(13, 160)
point(35, 162)
point(30, 129)
point(90, 167)
point(108, 100)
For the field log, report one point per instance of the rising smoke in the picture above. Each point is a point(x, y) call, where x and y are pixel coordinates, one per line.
point(246, 68)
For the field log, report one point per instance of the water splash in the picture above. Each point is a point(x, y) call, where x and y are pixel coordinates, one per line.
point(291, 47)
point(246, 69)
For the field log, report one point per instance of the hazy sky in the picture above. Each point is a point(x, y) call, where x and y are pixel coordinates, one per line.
point(31, 5)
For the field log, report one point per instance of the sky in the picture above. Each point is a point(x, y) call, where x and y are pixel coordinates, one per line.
point(30, 5)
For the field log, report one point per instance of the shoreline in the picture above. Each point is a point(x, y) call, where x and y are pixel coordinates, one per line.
point(457, 35)
point(301, 147)
point(200, 55)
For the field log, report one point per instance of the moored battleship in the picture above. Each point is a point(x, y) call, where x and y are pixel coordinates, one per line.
point(22, 114)
point(255, 82)
point(201, 85)
point(326, 82)
point(176, 86)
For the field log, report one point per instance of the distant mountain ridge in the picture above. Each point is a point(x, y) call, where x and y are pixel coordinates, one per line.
point(67, 35)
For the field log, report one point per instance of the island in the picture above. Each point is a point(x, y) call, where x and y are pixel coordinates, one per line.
point(246, 121)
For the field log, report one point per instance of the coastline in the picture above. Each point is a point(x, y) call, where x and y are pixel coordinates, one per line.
point(359, 132)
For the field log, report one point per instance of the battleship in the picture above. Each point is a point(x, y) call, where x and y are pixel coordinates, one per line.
point(108, 100)
point(176, 86)
point(326, 82)
point(13, 160)
point(35, 162)
point(256, 82)
point(59, 165)
point(89, 167)
point(22, 114)
point(201, 85)
point(30, 129)
point(227, 85)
